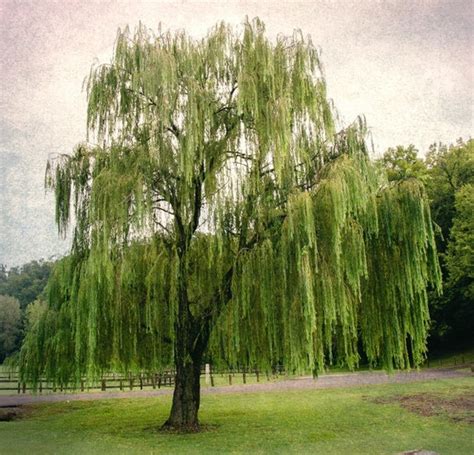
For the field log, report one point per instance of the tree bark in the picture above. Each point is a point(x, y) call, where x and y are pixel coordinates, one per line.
point(186, 396)
point(191, 338)
point(190, 347)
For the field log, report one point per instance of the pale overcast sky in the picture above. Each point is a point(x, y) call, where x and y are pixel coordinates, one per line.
point(406, 65)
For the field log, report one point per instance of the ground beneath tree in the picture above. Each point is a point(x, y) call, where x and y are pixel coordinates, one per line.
point(322, 382)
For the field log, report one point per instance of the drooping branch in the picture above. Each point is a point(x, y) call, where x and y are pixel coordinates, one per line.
point(224, 216)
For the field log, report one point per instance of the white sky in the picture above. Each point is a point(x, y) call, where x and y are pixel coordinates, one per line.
point(406, 65)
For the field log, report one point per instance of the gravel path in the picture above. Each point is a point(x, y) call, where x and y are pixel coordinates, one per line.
point(323, 382)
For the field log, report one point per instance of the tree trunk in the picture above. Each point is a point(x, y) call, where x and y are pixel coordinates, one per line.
point(186, 396)
point(192, 337)
point(191, 341)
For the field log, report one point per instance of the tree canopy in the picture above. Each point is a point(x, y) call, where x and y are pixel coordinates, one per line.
point(403, 162)
point(222, 215)
point(10, 325)
point(460, 257)
point(25, 283)
point(448, 172)
point(450, 167)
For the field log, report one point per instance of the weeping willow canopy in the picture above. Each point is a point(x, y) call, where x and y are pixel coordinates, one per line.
point(223, 212)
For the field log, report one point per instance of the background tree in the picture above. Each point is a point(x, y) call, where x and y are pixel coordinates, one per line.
point(460, 267)
point(10, 325)
point(223, 217)
point(25, 283)
point(449, 168)
point(448, 172)
point(402, 163)
point(460, 257)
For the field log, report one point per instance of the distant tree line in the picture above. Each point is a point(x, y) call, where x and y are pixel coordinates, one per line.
point(22, 292)
point(448, 174)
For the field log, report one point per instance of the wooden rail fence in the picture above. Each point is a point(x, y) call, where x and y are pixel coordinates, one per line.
point(10, 381)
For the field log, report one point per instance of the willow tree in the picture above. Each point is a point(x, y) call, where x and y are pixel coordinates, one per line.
point(223, 217)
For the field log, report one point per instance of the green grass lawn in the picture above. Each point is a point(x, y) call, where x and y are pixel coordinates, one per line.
point(337, 421)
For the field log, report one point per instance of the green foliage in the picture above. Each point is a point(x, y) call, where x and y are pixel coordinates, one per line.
point(460, 256)
point(448, 172)
point(10, 325)
point(34, 313)
point(449, 167)
point(402, 163)
point(26, 283)
point(223, 206)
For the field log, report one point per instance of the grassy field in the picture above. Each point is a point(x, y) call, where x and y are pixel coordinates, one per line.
point(364, 420)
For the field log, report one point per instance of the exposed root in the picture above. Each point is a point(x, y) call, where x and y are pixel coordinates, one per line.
point(184, 428)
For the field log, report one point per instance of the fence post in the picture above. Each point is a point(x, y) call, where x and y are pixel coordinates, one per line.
point(19, 387)
point(230, 379)
point(244, 377)
point(131, 383)
point(103, 386)
point(153, 380)
point(24, 387)
point(141, 381)
point(121, 384)
point(258, 376)
point(82, 385)
point(41, 386)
